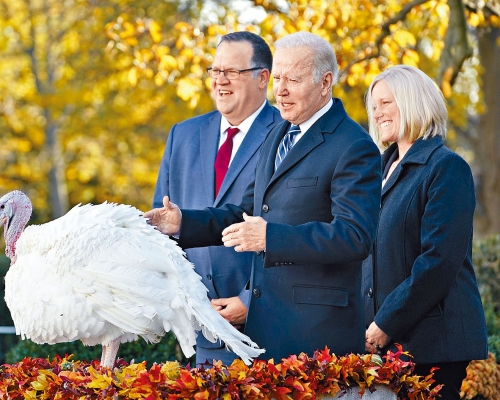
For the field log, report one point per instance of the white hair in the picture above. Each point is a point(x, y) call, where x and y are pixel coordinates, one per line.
point(324, 56)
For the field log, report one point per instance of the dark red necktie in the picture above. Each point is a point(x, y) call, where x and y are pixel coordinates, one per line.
point(223, 157)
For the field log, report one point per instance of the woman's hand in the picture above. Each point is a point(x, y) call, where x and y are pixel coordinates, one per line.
point(376, 339)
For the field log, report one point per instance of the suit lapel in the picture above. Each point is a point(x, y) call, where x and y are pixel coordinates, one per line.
point(311, 139)
point(419, 153)
point(392, 180)
point(326, 124)
point(386, 157)
point(250, 145)
point(209, 144)
point(280, 132)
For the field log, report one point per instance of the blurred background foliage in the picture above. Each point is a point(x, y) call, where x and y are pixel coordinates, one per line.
point(90, 88)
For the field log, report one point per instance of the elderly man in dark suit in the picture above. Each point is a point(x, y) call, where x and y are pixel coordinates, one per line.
point(310, 216)
point(196, 173)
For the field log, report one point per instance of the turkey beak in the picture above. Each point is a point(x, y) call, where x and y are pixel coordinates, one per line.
point(5, 218)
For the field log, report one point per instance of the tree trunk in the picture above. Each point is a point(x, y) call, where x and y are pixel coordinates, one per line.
point(58, 194)
point(487, 148)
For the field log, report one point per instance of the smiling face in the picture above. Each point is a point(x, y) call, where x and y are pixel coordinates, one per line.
point(297, 96)
point(238, 98)
point(386, 112)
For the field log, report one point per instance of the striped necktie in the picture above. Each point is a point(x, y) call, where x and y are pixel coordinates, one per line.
point(285, 145)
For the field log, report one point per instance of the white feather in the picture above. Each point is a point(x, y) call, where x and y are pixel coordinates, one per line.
point(100, 273)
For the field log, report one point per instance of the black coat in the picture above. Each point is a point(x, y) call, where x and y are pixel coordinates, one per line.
point(419, 283)
point(321, 208)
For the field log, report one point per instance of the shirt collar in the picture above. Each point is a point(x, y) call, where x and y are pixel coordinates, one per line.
point(245, 125)
point(304, 126)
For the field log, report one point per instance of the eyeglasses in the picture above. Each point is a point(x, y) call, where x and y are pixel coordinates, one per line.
point(229, 73)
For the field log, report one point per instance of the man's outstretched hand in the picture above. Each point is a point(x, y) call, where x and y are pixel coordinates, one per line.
point(167, 219)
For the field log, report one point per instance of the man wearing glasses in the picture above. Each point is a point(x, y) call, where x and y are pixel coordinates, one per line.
point(209, 160)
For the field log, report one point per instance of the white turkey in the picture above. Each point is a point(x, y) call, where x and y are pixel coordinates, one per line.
point(102, 275)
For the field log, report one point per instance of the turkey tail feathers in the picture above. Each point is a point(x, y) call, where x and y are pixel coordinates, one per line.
point(214, 326)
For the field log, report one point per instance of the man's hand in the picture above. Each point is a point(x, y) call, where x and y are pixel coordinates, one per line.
point(167, 219)
point(376, 339)
point(232, 309)
point(249, 235)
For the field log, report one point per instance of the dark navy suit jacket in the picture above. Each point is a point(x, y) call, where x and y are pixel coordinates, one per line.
point(321, 208)
point(419, 282)
point(187, 176)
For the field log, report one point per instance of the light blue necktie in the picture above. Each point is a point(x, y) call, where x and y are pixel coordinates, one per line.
point(285, 145)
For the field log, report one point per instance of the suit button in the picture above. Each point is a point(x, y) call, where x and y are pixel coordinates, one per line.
point(370, 292)
point(265, 207)
point(256, 292)
point(209, 277)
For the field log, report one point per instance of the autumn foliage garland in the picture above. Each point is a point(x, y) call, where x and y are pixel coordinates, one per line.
point(294, 378)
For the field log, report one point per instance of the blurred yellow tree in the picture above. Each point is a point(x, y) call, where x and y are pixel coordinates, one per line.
point(77, 124)
point(90, 88)
point(444, 38)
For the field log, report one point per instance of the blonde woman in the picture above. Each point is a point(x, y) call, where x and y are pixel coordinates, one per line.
point(419, 284)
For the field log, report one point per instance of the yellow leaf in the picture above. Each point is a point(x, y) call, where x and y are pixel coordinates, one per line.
point(41, 383)
point(30, 395)
point(186, 89)
point(187, 53)
point(131, 41)
point(132, 77)
point(129, 30)
point(167, 62)
point(369, 77)
point(182, 26)
point(331, 22)
point(442, 10)
point(474, 20)
point(347, 44)
point(352, 80)
point(411, 57)
point(99, 381)
point(159, 80)
point(357, 69)
point(404, 38)
point(155, 31)
point(445, 84)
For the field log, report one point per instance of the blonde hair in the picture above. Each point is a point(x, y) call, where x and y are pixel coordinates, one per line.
point(421, 104)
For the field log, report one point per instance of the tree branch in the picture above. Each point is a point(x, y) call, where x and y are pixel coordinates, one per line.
point(401, 15)
point(385, 31)
point(456, 45)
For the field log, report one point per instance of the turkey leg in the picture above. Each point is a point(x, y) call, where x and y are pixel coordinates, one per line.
point(109, 353)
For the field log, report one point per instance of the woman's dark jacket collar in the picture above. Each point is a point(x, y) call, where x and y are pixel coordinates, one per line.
point(418, 153)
